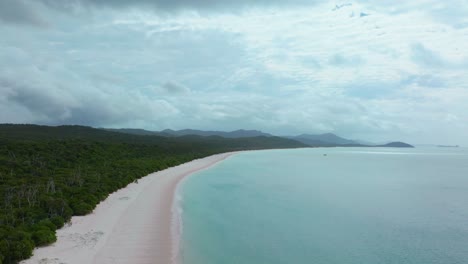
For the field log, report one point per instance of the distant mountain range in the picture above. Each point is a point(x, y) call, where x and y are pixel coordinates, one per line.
point(241, 133)
point(320, 140)
point(325, 140)
point(233, 134)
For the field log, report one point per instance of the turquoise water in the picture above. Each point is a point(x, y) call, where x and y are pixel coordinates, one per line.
point(353, 206)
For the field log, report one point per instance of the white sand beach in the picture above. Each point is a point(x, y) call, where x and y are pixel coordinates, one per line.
point(133, 225)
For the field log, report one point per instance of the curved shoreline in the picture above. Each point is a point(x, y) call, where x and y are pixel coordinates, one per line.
point(176, 213)
point(135, 224)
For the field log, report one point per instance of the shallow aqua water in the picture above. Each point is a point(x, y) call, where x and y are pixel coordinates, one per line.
point(353, 206)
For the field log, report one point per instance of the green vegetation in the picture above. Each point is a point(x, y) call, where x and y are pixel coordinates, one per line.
point(49, 174)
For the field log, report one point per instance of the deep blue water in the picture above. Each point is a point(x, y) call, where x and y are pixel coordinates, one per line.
point(352, 206)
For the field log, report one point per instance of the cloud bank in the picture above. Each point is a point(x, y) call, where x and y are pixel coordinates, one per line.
point(283, 67)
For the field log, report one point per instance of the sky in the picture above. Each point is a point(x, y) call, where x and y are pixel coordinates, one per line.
point(375, 70)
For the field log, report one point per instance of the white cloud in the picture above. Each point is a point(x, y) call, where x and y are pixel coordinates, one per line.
point(394, 74)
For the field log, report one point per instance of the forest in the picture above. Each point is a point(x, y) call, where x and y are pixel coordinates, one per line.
point(49, 174)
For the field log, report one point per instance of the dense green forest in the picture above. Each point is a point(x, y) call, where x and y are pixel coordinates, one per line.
point(49, 174)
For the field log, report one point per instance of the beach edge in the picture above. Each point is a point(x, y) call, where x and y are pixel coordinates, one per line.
point(132, 225)
point(176, 212)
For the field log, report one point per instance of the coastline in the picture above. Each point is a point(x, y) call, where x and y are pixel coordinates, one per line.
point(176, 213)
point(138, 224)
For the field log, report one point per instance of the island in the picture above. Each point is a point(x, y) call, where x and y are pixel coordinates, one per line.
point(396, 144)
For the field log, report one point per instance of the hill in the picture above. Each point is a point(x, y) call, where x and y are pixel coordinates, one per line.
point(319, 140)
point(132, 131)
point(396, 144)
point(332, 140)
point(325, 140)
point(241, 133)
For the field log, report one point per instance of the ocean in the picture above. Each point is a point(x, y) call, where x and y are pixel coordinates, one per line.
point(328, 205)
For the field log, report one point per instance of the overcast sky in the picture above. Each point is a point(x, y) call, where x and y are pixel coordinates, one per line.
point(370, 69)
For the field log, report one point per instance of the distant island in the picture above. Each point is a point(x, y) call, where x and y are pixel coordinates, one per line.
point(396, 145)
point(448, 146)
